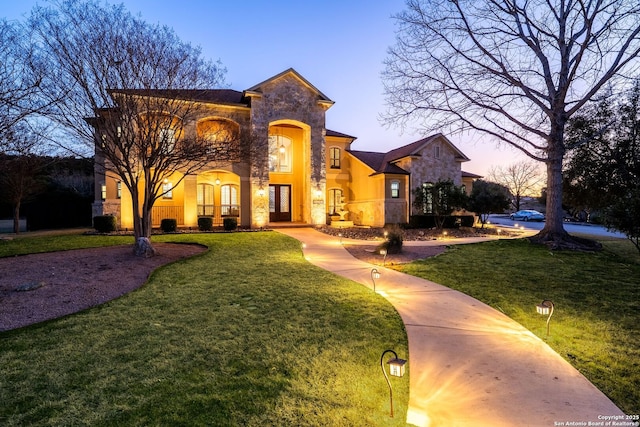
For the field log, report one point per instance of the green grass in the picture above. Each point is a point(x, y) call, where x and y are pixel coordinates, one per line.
point(248, 333)
point(596, 324)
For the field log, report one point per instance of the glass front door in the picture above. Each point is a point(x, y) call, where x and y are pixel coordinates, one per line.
point(279, 202)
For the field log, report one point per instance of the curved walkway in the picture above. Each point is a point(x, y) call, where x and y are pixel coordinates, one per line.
point(470, 365)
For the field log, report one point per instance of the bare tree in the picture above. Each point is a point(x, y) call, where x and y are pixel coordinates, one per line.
point(19, 78)
point(513, 70)
point(128, 79)
point(521, 179)
point(22, 168)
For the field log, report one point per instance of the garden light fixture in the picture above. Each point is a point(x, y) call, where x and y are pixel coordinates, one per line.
point(546, 308)
point(375, 274)
point(396, 368)
point(383, 252)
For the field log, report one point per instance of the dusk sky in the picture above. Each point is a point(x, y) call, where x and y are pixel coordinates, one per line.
point(338, 45)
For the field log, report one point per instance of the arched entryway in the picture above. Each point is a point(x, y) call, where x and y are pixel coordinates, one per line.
point(289, 164)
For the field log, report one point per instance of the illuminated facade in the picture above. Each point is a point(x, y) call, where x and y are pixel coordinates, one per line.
point(303, 174)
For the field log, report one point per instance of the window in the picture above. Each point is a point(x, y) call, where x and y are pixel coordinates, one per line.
point(427, 202)
point(436, 151)
point(119, 189)
point(167, 190)
point(103, 191)
point(395, 189)
point(229, 200)
point(280, 153)
point(334, 157)
point(335, 201)
point(167, 139)
point(218, 131)
point(204, 199)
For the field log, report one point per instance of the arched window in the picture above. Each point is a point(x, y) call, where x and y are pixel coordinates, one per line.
point(280, 153)
point(218, 130)
point(334, 157)
point(335, 200)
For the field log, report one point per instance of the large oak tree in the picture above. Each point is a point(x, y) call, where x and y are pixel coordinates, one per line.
point(513, 70)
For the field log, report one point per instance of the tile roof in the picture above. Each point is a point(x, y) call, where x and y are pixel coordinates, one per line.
point(330, 132)
point(385, 162)
point(217, 96)
point(377, 162)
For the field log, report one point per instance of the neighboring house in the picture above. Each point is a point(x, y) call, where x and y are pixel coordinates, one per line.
point(306, 174)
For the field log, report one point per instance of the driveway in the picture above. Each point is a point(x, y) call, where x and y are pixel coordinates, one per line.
point(469, 364)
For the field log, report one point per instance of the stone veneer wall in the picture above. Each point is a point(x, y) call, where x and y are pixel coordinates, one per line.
point(428, 168)
point(287, 98)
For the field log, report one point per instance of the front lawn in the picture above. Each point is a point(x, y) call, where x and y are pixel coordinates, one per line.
point(248, 333)
point(596, 323)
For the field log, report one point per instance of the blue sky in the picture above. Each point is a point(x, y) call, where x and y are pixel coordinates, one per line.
point(338, 45)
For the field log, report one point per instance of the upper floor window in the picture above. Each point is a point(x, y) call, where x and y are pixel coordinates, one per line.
point(436, 151)
point(280, 153)
point(119, 189)
point(334, 157)
point(167, 190)
point(395, 189)
point(218, 130)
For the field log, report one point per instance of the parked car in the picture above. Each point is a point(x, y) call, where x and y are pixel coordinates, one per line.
point(527, 215)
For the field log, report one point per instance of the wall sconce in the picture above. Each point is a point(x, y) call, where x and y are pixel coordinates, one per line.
point(261, 192)
point(396, 369)
point(546, 307)
point(375, 275)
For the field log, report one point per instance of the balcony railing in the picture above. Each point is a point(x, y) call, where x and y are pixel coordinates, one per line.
point(218, 213)
point(158, 213)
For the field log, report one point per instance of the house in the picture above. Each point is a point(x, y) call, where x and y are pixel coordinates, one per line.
point(304, 174)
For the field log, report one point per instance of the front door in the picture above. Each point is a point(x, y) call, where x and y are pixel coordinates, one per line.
point(279, 202)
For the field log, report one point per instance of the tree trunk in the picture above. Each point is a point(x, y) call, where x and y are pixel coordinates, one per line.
point(16, 217)
point(553, 234)
point(141, 230)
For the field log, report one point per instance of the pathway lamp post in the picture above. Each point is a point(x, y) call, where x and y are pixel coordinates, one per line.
point(383, 252)
point(546, 308)
point(396, 369)
point(375, 275)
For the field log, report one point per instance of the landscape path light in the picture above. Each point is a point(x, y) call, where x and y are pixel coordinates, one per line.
point(383, 252)
point(396, 369)
point(546, 307)
point(375, 275)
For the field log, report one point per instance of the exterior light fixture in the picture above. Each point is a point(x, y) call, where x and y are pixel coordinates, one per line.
point(261, 192)
point(340, 236)
point(546, 308)
point(396, 369)
point(383, 252)
point(375, 275)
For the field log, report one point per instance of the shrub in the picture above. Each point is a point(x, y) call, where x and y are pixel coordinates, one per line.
point(169, 225)
point(205, 223)
point(105, 223)
point(393, 244)
point(230, 224)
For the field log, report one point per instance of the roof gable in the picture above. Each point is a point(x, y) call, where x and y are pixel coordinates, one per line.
point(414, 149)
point(257, 89)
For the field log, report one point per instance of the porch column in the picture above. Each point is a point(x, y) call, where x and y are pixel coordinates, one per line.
point(190, 201)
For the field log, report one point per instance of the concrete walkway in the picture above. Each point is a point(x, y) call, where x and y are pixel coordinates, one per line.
point(470, 365)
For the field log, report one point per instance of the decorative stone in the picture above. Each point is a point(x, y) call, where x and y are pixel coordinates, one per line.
point(143, 248)
point(31, 286)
